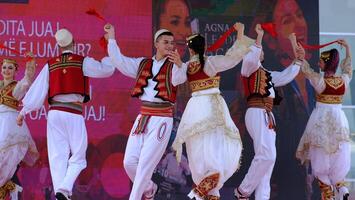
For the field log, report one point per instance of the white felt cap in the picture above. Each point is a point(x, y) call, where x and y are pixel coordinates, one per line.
point(63, 37)
point(159, 32)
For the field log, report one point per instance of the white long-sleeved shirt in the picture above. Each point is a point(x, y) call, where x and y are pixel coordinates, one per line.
point(251, 63)
point(220, 63)
point(317, 80)
point(38, 91)
point(129, 67)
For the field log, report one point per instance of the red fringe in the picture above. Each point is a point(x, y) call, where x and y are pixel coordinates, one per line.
point(103, 43)
point(270, 28)
point(221, 40)
point(316, 47)
point(93, 12)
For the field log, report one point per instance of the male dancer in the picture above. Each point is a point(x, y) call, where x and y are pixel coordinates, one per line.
point(156, 81)
point(65, 79)
point(261, 95)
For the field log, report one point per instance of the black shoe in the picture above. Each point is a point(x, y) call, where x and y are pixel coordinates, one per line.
point(61, 196)
point(346, 196)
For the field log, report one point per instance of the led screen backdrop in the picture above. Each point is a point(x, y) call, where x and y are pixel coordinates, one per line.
point(30, 26)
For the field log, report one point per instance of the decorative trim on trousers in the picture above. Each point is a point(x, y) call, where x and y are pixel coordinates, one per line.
point(206, 185)
point(327, 191)
point(6, 189)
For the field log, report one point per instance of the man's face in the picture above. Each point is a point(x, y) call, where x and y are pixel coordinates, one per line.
point(164, 45)
point(288, 18)
point(176, 18)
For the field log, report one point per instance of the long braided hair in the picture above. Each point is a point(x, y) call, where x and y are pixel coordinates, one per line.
point(197, 43)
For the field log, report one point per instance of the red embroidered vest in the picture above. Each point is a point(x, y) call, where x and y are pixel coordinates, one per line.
point(198, 79)
point(258, 85)
point(166, 91)
point(66, 76)
point(334, 91)
point(6, 96)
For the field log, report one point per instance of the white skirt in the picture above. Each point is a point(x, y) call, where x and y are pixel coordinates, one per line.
point(213, 142)
point(16, 145)
point(327, 128)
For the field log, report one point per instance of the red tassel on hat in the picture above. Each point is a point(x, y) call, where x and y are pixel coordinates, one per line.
point(93, 12)
point(270, 28)
point(221, 40)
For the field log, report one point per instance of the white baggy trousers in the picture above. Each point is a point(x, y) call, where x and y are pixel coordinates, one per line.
point(144, 151)
point(67, 143)
point(262, 165)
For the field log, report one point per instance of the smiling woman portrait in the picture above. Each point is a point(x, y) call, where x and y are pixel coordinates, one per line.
point(174, 15)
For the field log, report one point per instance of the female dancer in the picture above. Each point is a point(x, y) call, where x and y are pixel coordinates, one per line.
point(16, 143)
point(325, 141)
point(212, 140)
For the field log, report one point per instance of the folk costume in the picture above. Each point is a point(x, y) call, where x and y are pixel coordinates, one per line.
point(259, 86)
point(325, 142)
point(64, 80)
point(212, 140)
point(155, 86)
point(16, 143)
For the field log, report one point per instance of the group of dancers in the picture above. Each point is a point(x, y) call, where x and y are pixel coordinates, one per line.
point(213, 143)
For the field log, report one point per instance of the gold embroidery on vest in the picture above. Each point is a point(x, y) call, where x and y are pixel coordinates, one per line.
point(193, 67)
point(161, 76)
point(260, 82)
point(334, 82)
point(204, 84)
point(329, 98)
point(5, 95)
